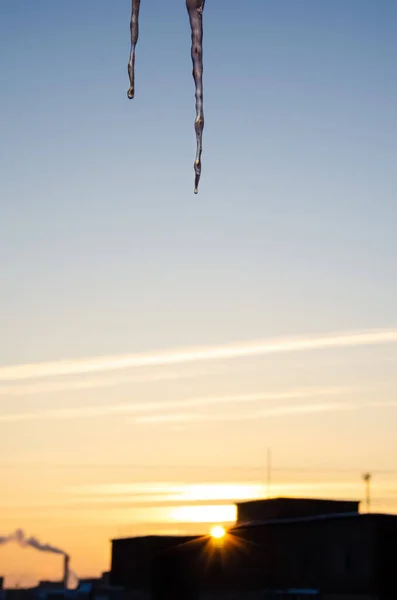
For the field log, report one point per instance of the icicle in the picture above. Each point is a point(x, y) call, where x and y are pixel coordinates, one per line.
point(195, 9)
point(134, 27)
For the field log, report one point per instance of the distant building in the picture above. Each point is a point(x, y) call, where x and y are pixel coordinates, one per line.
point(50, 585)
point(88, 589)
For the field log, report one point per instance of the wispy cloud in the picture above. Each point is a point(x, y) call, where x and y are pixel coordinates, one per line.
point(191, 355)
point(65, 385)
point(253, 415)
point(281, 411)
point(182, 491)
point(133, 408)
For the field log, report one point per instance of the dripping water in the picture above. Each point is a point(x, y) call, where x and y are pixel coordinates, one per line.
point(134, 27)
point(195, 9)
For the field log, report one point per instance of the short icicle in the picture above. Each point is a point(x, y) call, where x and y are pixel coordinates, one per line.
point(134, 27)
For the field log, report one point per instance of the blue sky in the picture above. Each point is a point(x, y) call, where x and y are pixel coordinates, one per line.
point(104, 249)
point(293, 228)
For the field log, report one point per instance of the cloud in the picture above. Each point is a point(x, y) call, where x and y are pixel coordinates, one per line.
point(281, 411)
point(133, 408)
point(51, 387)
point(192, 355)
point(181, 492)
point(260, 414)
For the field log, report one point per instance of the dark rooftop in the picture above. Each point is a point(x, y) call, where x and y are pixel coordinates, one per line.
point(287, 508)
point(155, 537)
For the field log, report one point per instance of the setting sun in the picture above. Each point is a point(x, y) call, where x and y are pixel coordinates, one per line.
point(218, 532)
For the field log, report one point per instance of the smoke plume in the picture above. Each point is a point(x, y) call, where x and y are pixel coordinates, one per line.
point(19, 537)
point(23, 541)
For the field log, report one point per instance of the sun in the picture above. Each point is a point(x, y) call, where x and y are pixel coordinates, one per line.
point(218, 532)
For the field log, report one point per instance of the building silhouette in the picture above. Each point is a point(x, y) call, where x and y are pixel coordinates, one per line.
point(279, 548)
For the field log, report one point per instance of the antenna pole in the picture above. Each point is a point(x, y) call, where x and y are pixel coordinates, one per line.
point(269, 471)
point(367, 480)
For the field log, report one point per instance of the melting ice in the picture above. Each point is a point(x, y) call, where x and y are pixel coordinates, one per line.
point(195, 10)
point(134, 27)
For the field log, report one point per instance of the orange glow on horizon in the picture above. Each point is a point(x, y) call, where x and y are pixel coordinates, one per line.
point(225, 513)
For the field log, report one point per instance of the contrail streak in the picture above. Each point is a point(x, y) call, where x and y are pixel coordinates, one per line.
point(131, 408)
point(282, 411)
point(191, 355)
point(60, 385)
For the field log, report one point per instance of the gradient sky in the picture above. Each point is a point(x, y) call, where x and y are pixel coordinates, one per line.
point(286, 260)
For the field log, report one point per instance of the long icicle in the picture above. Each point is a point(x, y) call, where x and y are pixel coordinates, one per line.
point(134, 27)
point(195, 9)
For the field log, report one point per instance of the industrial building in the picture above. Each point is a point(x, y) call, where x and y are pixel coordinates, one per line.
point(87, 589)
point(132, 559)
point(279, 548)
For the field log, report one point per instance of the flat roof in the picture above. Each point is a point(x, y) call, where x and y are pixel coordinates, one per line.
point(315, 518)
point(295, 500)
point(156, 537)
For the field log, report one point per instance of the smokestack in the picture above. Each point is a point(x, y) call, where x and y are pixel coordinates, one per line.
point(66, 560)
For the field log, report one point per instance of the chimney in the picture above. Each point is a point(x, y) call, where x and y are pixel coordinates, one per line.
point(66, 560)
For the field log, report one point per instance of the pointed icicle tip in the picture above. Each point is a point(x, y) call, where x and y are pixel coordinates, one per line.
point(195, 11)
